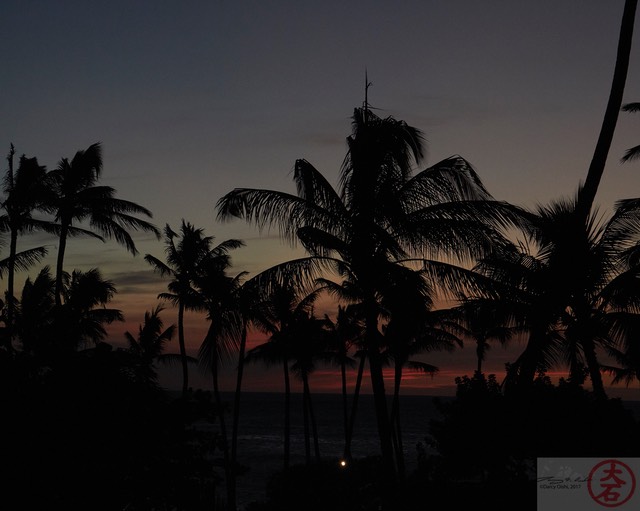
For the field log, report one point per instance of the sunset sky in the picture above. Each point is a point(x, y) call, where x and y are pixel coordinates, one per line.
point(193, 99)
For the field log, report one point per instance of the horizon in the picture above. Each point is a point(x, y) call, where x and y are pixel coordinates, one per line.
point(193, 101)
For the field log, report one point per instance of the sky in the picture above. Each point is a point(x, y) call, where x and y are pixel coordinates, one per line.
point(193, 99)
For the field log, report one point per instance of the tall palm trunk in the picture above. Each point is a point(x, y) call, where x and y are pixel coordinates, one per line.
point(312, 417)
point(354, 409)
point(379, 395)
point(389, 486)
point(305, 422)
point(62, 245)
point(231, 490)
point(480, 345)
point(395, 420)
point(345, 404)
point(596, 168)
point(183, 350)
point(589, 349)
point(11, 300)
point(236, 404)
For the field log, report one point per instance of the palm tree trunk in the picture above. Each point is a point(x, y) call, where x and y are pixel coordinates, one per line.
point(390, 478)
point(231, 497)
point(183, 350)
point(236, 403)
point(395, 420)
point(596, 168)
point(312, 419)
point(62, 245)
point(305, 417)
point(345, 404)
point(377, 386)
point(594, 368)
point(287, 415)
point(354, 408)
point(529, 361)
point(11, 300)
point(479, 355)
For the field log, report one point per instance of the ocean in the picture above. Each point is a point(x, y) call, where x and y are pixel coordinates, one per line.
point(261, 427)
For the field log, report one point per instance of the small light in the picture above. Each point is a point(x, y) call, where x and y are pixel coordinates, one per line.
point(343, 463)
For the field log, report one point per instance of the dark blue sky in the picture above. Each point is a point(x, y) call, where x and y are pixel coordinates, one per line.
point(192, 99)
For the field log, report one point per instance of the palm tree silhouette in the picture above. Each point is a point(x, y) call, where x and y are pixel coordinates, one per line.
point(596, 168)
point(218, 292)
point(49, 331)
point(25, 190)
point(380, 216)
point(84, 315)
point(412, 328)
point(346, 332)
point(571, 291)
point(482, 321)
point(34, 319)
point(634, 152)
point(183, 260)
point(78, 198)
point(310, 338)
point(149, 345)
point(284, 315)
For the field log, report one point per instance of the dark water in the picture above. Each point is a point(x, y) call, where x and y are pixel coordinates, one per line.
point(260, 440)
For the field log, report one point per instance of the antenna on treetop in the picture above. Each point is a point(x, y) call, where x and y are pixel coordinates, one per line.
point(365, 105)
point(367, 83)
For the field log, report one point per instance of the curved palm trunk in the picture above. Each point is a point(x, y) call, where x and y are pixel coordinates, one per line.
point(354, 408)
point(183, 350)
point(287, 415)
point(62, 245)
point(596, 168)
point(529, 361)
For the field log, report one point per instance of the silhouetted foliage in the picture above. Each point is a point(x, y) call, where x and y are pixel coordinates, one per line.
point(86, 436)
point(488, 436)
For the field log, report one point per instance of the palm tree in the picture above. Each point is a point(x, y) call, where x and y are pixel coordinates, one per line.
point(78, 198)
point(599, 159)
point(634, 152)
point(34, 319)
point(310, 339)
point(246, 296)
point(83, 317)
point(412, 328)
point(283, 315)
point(572, 291)
point(345, 333)
point(380, 216)
point(480, 320)
point(47, 330)
point(218, 291)
point(182, 262)
point(148, 347)
point(25, 191)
